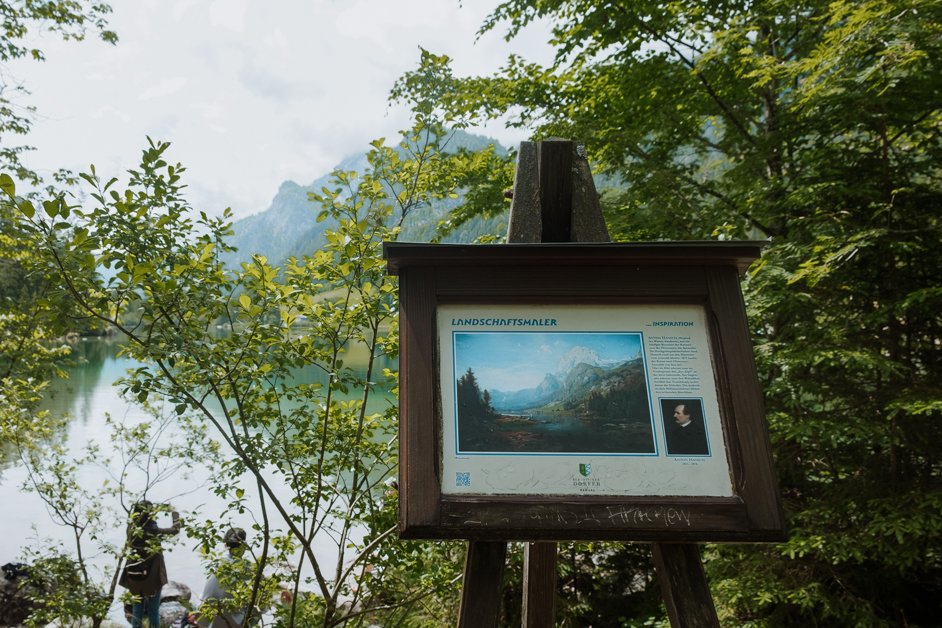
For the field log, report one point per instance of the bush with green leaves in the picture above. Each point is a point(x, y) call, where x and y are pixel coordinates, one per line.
point(308, 462)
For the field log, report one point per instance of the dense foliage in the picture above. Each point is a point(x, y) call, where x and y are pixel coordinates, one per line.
point(28, 318)
point(309, 462)
point(814, 124)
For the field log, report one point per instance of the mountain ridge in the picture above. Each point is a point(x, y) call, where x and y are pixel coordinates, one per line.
point(574, 387)
point(288, 226)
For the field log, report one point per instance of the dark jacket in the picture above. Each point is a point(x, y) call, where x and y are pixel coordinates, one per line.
point(144, 571)
point(690, 440)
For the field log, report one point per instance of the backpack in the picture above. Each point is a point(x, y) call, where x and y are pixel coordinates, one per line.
point(138, 570)
point(143, 577)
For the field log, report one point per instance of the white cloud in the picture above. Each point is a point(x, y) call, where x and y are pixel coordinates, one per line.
point(228, 14)
point(508, 379)
point(110, 113)
point(165, 87)
point(181, 8)
point(249, 93)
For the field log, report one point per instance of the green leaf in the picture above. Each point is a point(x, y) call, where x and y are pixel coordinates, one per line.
point(27, 209)
point(7, 185)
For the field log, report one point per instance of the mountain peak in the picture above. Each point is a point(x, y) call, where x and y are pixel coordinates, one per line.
point(575, 356)
point(288, 227)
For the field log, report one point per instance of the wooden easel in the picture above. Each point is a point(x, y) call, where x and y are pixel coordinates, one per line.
point(554, 200)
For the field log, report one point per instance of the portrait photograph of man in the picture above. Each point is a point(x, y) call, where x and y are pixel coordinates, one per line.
point(684, 427)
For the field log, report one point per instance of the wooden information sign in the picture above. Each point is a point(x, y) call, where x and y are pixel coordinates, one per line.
point(554, 392)
point(542, 388)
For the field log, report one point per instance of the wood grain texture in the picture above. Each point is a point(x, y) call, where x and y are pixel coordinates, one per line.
point(555, 174)
point(480, 593)
point(683, 585)
point(690, 254)
point(418, 483)
point(539, 585)
point(588, 224)
point(559, 284)
point(754, 472)
point(526, 221)
point(611, 518)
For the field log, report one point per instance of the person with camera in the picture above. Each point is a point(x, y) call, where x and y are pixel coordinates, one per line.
point(144, 573)
point(219, 609)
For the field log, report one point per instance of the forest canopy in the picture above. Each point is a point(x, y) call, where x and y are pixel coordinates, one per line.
point(815, 125)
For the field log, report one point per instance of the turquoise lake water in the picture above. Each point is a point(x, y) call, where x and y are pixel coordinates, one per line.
point(87, 397)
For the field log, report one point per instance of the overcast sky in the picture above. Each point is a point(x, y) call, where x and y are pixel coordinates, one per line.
point(249, 92)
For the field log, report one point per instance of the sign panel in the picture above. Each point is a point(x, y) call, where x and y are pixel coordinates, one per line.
point(575, 391)
point(576, 400)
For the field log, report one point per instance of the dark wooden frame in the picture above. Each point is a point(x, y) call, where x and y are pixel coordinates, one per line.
point(702, 273)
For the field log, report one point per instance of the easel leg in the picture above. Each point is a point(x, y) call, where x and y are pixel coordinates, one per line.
point(683, 585)
point(539, 585)
point(480, 595)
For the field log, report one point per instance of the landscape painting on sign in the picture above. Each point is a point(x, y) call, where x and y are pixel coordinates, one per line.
point(551, 392)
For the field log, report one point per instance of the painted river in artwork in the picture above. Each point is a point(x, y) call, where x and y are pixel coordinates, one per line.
point(543, 433)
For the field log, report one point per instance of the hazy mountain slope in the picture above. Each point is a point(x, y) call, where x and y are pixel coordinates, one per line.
point(288, 227)
point(289, 224)
point(618, 391)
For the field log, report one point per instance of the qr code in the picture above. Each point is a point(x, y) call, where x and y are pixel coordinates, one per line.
point(462, 478)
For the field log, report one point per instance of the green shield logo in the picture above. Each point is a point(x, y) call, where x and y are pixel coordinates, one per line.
point(585, 469)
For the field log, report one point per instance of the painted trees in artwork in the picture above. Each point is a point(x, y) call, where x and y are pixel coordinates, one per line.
point(475, 413)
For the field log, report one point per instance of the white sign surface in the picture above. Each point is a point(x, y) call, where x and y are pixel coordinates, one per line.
point(579, 400)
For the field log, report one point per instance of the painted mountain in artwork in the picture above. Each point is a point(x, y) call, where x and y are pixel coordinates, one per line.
point(605, 393)
point(510, 401)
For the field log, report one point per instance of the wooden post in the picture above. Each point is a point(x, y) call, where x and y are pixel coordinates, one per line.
point(683, 585)
point(480, 592)
point(539, 585)
point(555, 170)
point(545, 209)
point(554, 200)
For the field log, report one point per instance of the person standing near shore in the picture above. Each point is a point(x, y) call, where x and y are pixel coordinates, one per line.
point(144, 572)
point(223, 611)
